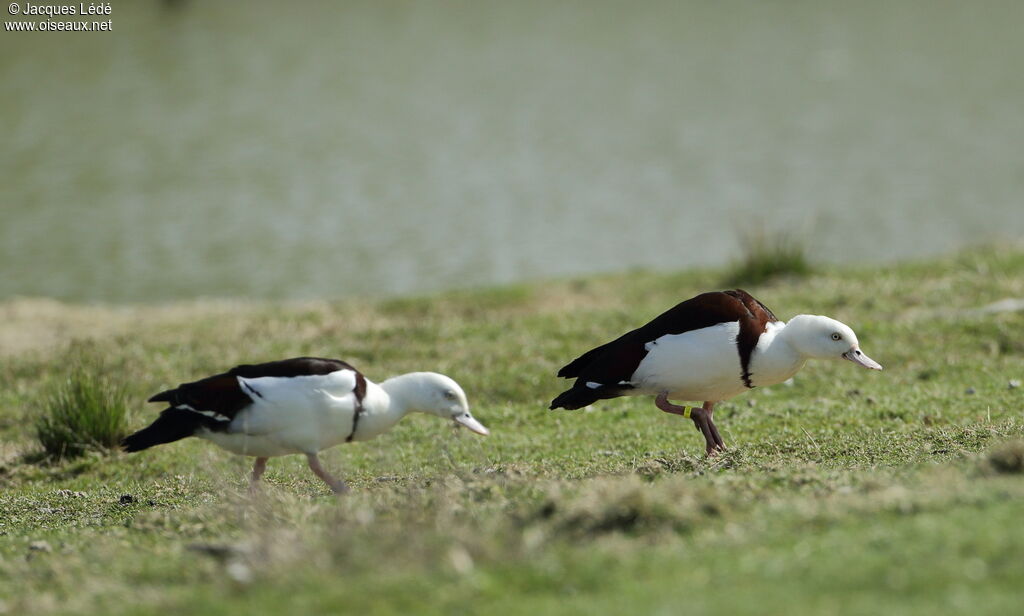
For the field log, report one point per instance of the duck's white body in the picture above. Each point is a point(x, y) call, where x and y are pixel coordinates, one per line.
point(703, 365)
point(301, 405)
point(306, 415)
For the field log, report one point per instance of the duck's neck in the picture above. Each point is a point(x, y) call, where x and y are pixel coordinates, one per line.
point(383, 407)
point(775, 359)
point(402, 393)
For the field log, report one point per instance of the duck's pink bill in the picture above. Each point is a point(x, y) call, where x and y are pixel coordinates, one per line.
point(471, 423)
point(858, 357)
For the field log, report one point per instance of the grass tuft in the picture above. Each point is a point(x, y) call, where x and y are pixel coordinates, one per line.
point(767, 256)
point(627, 505)
point(1007, 458)
point(85, 412)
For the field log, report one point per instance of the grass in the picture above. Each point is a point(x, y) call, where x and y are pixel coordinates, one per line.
point(82, 412)
point(768, 256)
point(846, 492)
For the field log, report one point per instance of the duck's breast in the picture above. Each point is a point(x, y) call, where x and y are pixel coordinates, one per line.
point(773, 361)
point(376, 415)
point(702, 364)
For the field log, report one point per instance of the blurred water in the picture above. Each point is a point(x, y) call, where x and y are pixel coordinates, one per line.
point(318, 149)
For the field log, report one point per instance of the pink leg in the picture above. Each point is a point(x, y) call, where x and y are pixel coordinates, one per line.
point(701, 419)
point(337, 486)
point(662, 403)
point(257, 472)
point(719, 443)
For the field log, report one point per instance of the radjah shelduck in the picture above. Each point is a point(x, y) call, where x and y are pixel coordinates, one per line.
point(302, 405)
point(708, 348)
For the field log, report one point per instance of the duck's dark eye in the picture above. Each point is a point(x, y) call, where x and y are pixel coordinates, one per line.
point(449, 394)
point(837, 336)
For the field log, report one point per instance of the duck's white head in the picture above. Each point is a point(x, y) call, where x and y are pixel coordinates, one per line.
point(820, 337)
point(437, 394)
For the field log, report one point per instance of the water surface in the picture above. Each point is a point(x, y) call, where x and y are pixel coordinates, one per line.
point(325, 149)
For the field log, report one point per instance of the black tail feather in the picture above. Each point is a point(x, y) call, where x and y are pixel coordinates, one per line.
point(172, 425)
point(576, 398)
point(581, 395)
point(165, 396)
point(576, 366)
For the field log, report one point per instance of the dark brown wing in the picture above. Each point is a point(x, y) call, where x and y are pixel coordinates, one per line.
point(611, 365)
point(751, 328)
point(617, 360)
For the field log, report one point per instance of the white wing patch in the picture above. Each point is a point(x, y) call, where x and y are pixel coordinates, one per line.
point(701, 364)
point(213, 414)
point(284, 388)
point(596, 385)
point(282, 403)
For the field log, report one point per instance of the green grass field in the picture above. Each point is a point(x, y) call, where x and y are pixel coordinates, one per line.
point(844, 492)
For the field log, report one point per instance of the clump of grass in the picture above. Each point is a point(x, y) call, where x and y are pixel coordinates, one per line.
point(628, 505)
point(85, 412)
point(768, 255)
point(1007, 458)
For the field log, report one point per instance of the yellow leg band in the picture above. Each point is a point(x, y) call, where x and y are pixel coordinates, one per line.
point(686, 411)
